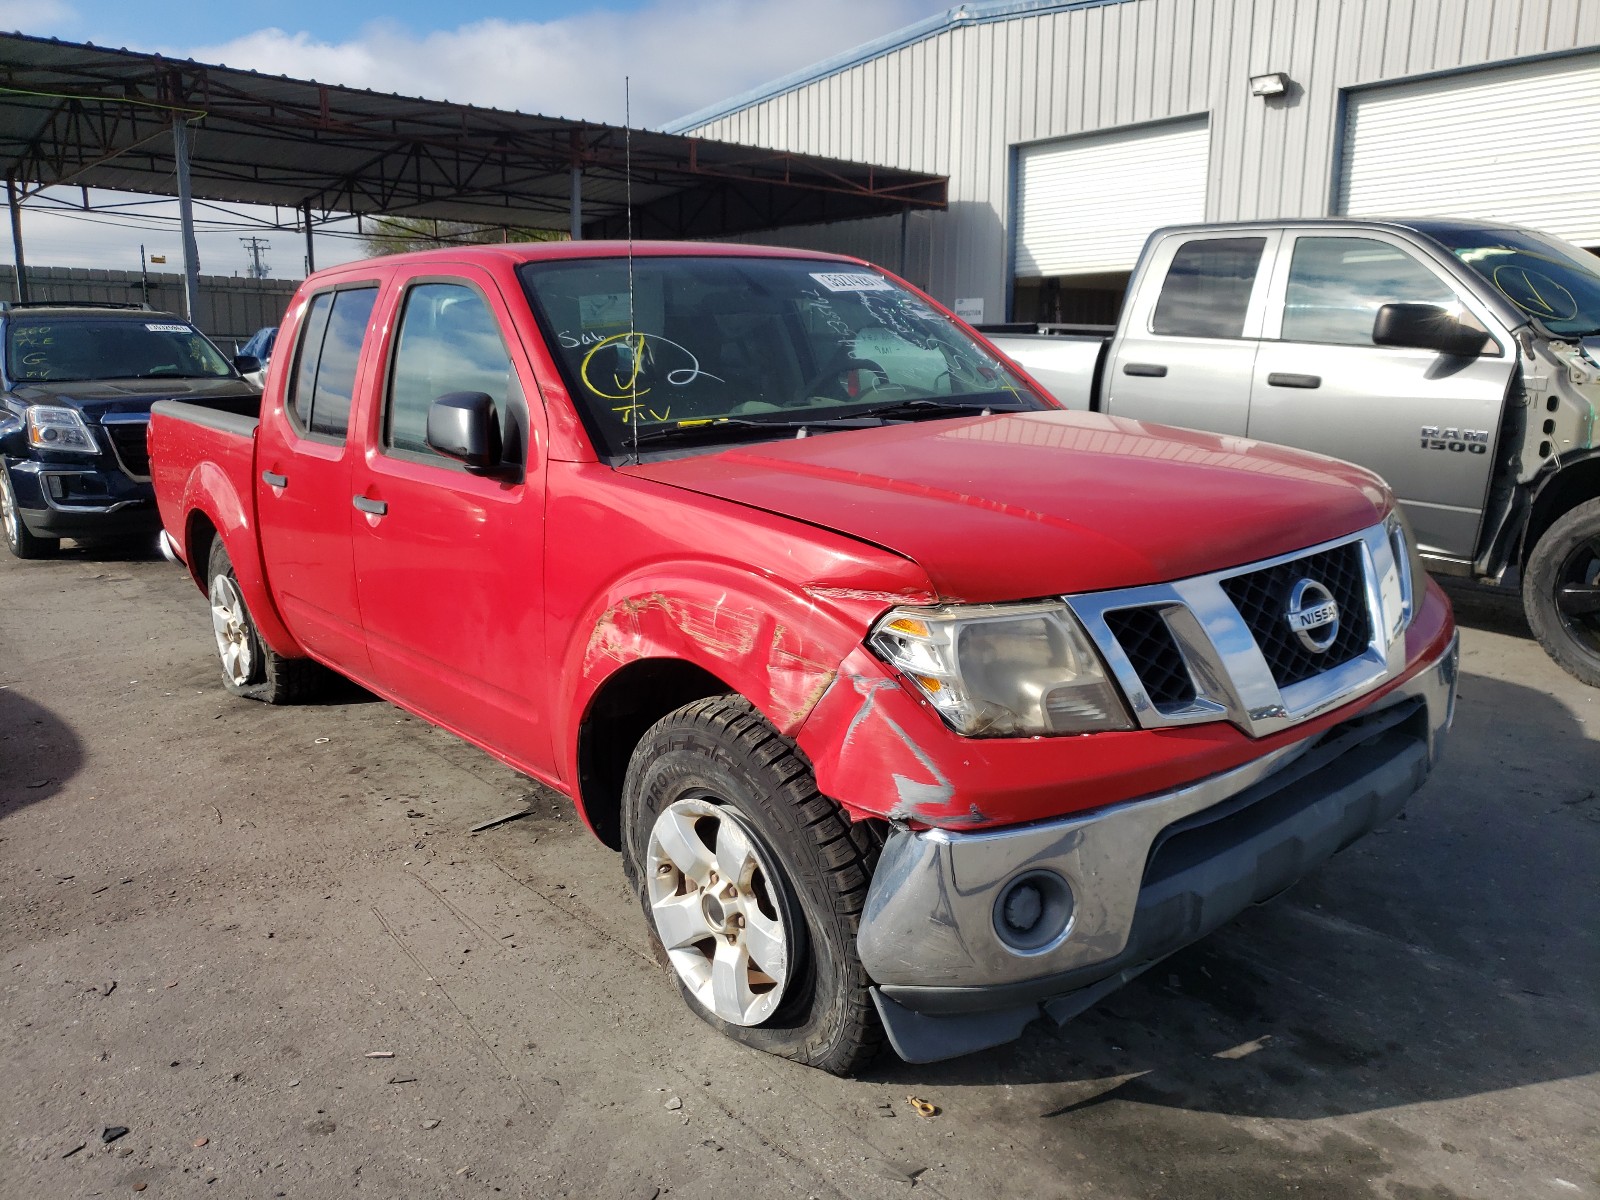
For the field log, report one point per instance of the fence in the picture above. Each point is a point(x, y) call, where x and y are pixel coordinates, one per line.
point(231, 308)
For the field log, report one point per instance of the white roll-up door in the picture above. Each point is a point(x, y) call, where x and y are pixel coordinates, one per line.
point(1087, 204)
point(1518, 144)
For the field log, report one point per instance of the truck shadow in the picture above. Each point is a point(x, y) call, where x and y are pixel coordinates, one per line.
point(39, 752)
point(1496, 610)
point(1454, 952)
point(141, 549)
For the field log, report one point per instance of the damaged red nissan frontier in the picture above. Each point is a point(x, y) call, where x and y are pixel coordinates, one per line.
point(916, 706)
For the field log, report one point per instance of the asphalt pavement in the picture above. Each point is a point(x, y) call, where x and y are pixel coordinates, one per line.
point(265, 943)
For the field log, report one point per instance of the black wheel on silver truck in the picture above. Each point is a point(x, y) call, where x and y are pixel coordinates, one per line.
point(1561, 592)
point(251, 668)
point(19, 541)
point(752, 883)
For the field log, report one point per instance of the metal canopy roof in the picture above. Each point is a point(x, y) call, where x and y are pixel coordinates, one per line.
point(84, 115)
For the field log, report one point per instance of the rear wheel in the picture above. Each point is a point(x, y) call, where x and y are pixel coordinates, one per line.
point(1561, 592)
point(251, 668)
point(752, 883)
point(19, 541)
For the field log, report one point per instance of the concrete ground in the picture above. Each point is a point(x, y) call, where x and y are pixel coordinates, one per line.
point(264, 942)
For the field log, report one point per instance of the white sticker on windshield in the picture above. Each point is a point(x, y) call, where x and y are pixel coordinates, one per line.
point(840, 281)
point(166, 328)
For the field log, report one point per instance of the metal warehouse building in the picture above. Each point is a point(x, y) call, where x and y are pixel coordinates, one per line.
point(1070, 130)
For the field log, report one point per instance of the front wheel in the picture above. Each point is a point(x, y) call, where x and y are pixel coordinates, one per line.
point(19, 541)
point(250, 668)
point(752, 883)
point(1561, 592)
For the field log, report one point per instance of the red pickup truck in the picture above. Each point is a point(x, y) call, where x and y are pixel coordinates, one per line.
point(914, 704)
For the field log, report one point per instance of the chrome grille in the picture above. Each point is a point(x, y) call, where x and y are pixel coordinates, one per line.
point(1219, 647)
point(1154, 653)
point(1262, 598)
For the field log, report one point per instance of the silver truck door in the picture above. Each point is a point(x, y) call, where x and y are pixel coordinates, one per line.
point(1427, 422)
point(1188, 340)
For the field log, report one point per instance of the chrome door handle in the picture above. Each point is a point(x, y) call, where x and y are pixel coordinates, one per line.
point(273, 479)
point(373, 508)
point(1151, 370)
point(1288, 379)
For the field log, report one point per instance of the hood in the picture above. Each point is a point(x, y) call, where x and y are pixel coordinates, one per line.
point(94, 397)
point(1016, 506)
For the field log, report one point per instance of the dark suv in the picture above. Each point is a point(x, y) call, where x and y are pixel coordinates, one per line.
point(76, 385)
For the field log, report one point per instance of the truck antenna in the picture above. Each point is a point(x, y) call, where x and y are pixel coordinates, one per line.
point(636, 343)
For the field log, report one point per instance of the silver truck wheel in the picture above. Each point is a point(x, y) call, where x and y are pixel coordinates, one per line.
point(232, 628)
point(1561, 592)
point(714, 910)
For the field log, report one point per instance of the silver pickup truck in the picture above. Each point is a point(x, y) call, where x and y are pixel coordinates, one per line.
point(1458, 359)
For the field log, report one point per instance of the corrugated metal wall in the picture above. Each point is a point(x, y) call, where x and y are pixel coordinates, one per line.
point(959, 101)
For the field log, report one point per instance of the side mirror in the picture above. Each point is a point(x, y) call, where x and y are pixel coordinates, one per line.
point(246, 363)
point(464, 426)
point(1426, 327)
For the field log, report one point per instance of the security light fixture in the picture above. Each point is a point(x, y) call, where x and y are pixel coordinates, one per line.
point(1274, 84)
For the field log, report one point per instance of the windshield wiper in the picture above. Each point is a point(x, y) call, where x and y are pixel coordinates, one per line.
point(978, 404)
point(732, 428)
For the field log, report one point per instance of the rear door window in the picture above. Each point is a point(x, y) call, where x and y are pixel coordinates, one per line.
point(1207, 289)
point(324, 379)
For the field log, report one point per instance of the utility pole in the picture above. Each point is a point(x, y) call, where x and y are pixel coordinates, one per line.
point(255, 247)
point(144, 279)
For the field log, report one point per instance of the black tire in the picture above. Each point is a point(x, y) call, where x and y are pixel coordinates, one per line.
point(1566, 559)
point(19, 541)
point(268, 677)
point(721, 749)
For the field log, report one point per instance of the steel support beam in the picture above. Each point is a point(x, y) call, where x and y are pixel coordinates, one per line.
point(15, 205)
point(191, 251)
point(311, 249)
point(577, 203)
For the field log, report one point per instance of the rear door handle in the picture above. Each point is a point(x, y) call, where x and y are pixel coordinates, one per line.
point(1288, 379)
point(273, 479)
point(1152, 370)
point(373, 508)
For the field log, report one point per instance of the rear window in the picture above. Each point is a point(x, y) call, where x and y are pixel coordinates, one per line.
point(51, 349)
point(1207, 289)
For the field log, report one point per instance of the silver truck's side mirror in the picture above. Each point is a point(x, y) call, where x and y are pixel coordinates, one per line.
point(1428, 327)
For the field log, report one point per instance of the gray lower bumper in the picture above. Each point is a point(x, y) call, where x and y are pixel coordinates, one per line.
point(1147, 878)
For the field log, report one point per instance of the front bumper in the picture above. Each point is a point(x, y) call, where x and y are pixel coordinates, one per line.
point(947, 984)
point(58, 499)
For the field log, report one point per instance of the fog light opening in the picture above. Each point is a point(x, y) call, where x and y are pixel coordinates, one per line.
point(1033, 912)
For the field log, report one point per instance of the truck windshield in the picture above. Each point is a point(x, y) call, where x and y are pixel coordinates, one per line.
point(699, 343)
point(1551, 281)
point(52, 349)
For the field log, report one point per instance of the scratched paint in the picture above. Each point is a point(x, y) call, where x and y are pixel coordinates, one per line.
point(796, 673)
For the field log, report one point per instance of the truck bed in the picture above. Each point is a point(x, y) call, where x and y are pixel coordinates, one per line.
point(185, 436)
point(1067, 365)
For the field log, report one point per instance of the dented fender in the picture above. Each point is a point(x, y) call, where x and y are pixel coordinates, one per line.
point(777, 646)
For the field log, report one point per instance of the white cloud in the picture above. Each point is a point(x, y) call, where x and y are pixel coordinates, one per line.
point(36, 14)
point(680, 56)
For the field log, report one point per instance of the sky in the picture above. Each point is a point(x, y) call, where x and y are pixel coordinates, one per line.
point(557, 57)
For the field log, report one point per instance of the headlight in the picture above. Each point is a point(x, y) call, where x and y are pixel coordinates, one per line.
point(1003, 671)
point(51, 428)
point(1408, 564)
